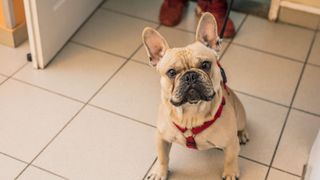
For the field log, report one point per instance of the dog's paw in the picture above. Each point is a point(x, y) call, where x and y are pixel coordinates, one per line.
point(155, 176)
point(243, 137)
point(230, 176)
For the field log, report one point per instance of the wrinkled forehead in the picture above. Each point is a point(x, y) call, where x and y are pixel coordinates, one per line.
point(187, 57)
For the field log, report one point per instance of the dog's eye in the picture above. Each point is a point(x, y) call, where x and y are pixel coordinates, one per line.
point(206, 65)
point(171, 73)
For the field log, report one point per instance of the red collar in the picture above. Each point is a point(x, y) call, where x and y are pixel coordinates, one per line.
point(190, 142)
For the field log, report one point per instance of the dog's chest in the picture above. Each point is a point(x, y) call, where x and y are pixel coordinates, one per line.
point(212, 137)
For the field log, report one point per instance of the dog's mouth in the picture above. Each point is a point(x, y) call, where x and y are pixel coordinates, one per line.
point(193, 96)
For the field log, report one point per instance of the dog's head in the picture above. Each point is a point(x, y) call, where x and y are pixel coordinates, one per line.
point(189, 74)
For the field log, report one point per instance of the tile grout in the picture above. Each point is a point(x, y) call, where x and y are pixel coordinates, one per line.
point(14, 73)
point(286, 172)
point(291, 103)
point(267, 52)
point(152, 164)
point(48, 171)
point(232, 39)
point(26, 163)
point(121, 115)
point(51, 140)
point(306, 112)
point(128, 15)
point(97, 49)
point(48, 90)
point(260, 98)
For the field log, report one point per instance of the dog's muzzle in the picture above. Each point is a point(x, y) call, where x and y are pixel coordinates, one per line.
point(192, 90)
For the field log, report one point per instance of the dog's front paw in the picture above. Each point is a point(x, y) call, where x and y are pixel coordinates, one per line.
point(243, 137)
point(156, 176)
point(230, 176)
point(159, 173)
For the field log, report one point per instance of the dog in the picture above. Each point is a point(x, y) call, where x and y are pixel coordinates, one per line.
point(197, 109)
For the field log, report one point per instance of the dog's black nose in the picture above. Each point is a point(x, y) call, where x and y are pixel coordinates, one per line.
point(190, 77)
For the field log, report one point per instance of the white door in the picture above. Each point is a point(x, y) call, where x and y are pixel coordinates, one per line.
point(51, 23)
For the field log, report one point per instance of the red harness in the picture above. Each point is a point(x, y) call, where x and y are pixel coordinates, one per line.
point(190, 141)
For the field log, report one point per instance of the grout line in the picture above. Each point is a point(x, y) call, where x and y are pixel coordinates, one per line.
point(269, 53)
point(314, 65)
point(252, 160)
point(307, 112)
point(184, 30)
point(292, 100)
point(59, 132)
point(231, 41)
point(137, 61)
point(260, 98)
point(48, 90)
point(140, 18)
point(121, 115)
point(3, 75)
point(26, 163)
point(286, 172)
point(12, 157)
point(128, 15)
point(97, 49)
point(50, 172)
point(284, 23)
point(155, 160)
point(296, 25)
point(14, 73)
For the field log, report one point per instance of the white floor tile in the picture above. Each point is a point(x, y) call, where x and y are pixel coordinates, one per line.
point(30, 117)
point(261, 74)
point(10, 168)
point(264, 122)
point(307, 97)
point(297, 139)
point(275, 174)
point(139, 8)
point(35, 173)
point(186, 164)
point(276, 38)
point(100, 145)
point(12, 59)
point(112, 32)
point(77, 72)
point(134, 92)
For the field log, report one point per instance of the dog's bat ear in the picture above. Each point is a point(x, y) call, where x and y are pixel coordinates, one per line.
point(155, 45)
point(207, 31)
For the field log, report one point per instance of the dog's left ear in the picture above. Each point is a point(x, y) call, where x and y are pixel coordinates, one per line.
point(155, 45)
point(207, 31)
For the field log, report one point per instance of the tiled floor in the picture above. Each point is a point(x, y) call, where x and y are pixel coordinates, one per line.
point(91, 113)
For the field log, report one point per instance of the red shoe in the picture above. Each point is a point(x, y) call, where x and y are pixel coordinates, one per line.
point(219, 10)
point(171, 12)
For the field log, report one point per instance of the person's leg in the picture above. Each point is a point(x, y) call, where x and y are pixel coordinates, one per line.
point(219, 9)
point(171, 12)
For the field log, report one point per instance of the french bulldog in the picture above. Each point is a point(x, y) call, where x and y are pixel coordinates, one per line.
point(197, 109)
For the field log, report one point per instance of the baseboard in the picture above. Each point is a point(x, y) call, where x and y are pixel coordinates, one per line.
point(299, 18)
point(13, 37)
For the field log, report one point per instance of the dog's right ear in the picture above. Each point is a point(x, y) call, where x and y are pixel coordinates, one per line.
point(155, 45)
